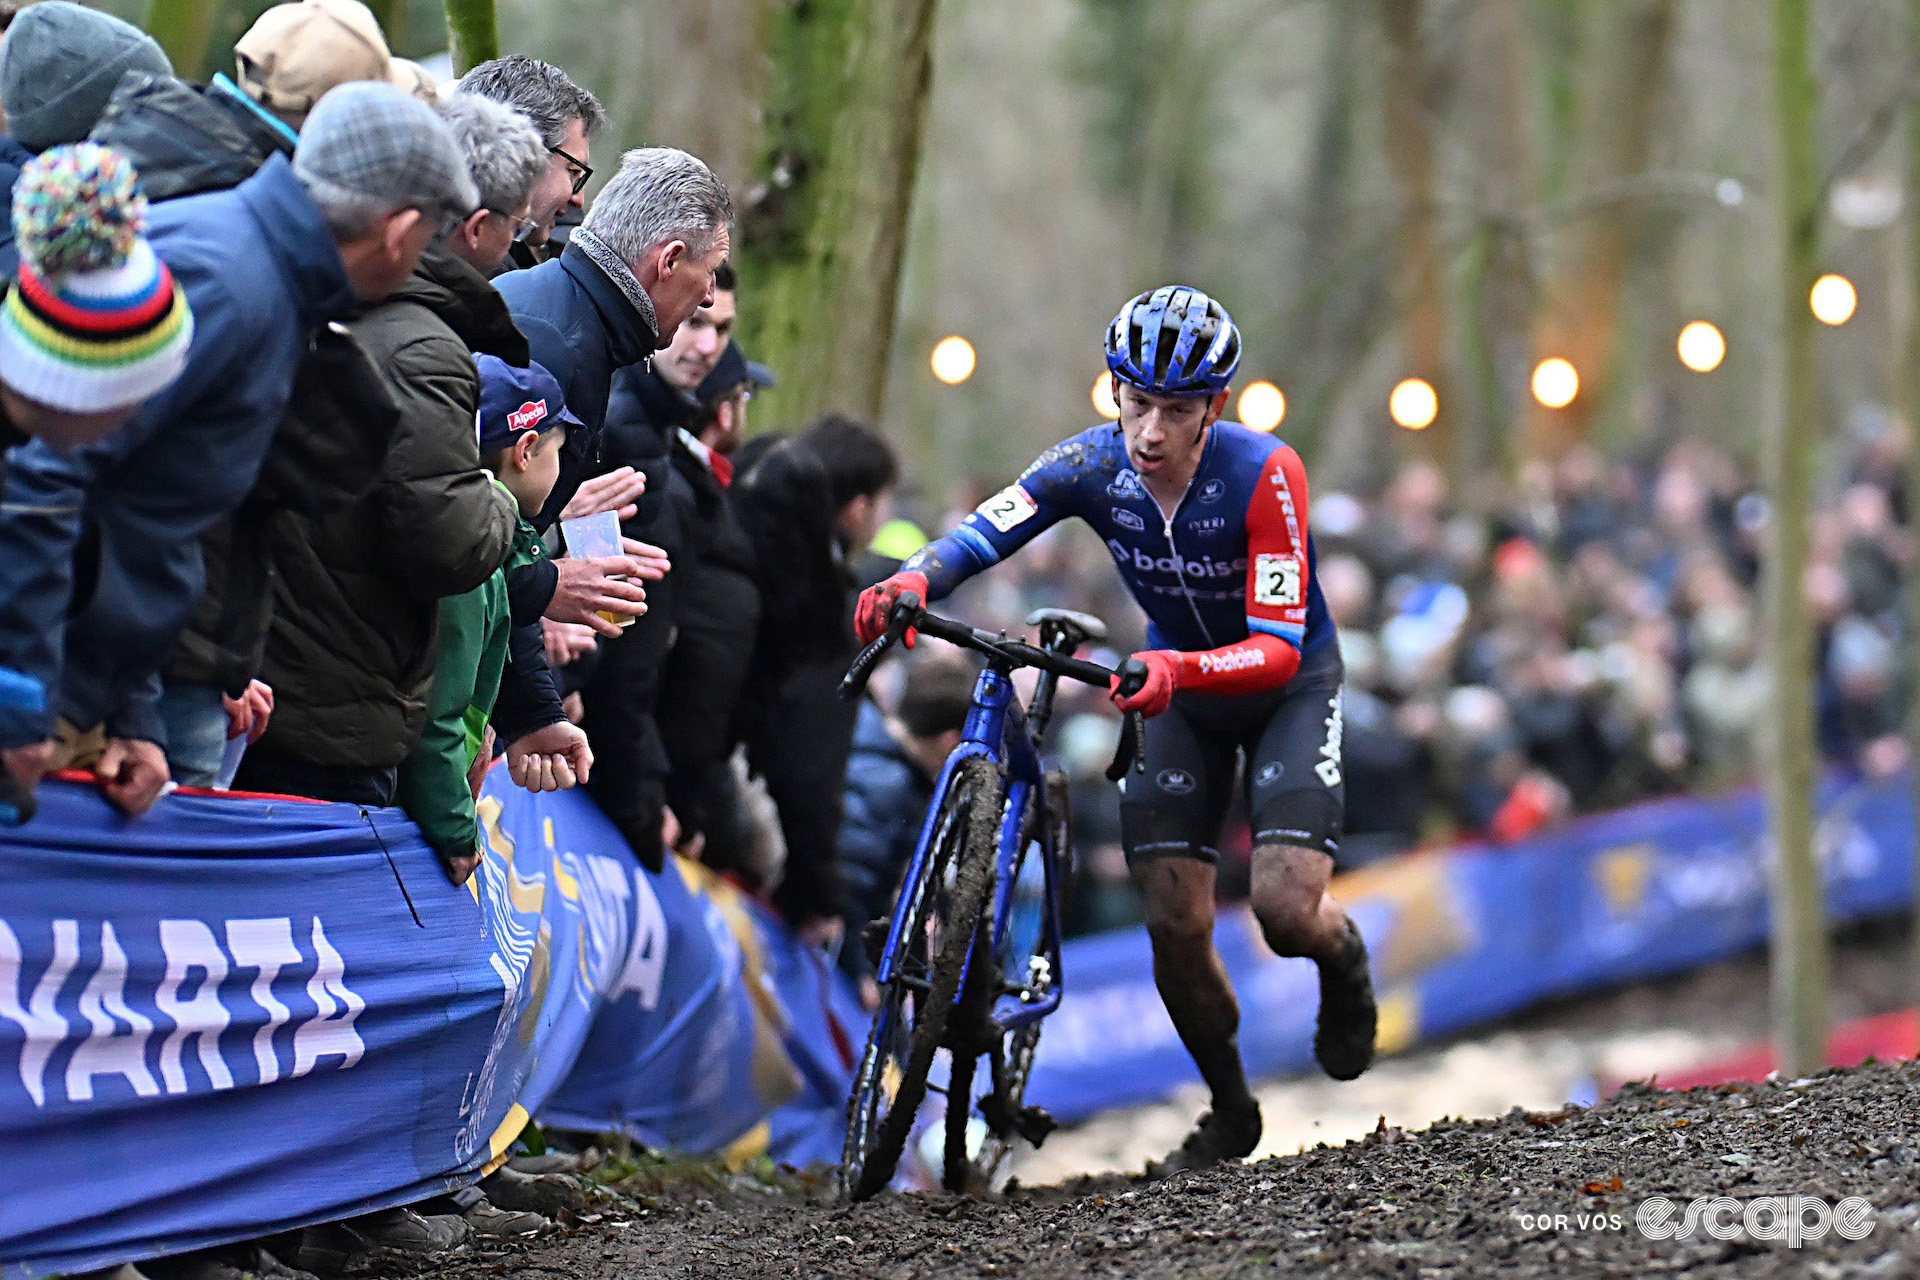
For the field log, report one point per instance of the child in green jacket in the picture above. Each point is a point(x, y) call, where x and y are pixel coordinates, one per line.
point(523, 425)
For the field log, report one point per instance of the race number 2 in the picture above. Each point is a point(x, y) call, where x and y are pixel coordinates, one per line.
point(1276, 581)
point(1008, 508)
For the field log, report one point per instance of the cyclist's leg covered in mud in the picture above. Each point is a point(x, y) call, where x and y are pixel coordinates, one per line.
point(1170, 816)
point(1297, 801)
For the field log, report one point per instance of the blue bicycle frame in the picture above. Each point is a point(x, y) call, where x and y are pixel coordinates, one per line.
point(996, 729)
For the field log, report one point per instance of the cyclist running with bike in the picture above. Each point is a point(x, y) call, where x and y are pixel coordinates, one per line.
point(1207, 523)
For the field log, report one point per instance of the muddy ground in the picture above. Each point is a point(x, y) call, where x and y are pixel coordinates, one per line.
point(1454, 1200)
point(1457, 1198)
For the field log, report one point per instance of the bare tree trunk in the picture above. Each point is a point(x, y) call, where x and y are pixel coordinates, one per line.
point(1497, 292)
point(1621, 63)
point(184, 28)
point(1420, 294)
point(823, 236)
point(1799, 943)
point(472, 33)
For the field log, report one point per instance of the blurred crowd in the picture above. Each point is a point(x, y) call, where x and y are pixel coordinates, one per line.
point(1582, 639)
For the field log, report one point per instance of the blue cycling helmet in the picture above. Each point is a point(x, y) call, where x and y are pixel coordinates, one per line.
point(1174, 341)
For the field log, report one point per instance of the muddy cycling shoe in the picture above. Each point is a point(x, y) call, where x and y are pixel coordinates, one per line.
point(1343, 1042)
point(1221, 1135)
point(327, 1249)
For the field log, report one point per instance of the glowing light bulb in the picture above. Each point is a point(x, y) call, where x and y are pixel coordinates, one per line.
point(1833, 299)
point(953, 360)
point(1555, 382)
point(1262, 406)
point(1414, 404)
point(1702, 346)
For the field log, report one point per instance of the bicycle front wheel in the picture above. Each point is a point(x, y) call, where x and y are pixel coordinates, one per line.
point(941, 910)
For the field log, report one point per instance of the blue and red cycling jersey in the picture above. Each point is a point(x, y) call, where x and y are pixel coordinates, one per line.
point(1235, 561)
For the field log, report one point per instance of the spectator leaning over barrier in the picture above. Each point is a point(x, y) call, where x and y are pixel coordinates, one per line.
point(642, 262)
point(59, 63)
point(567, 117)
point(186, 139)
point(93, 325)
point(342, 225)
point(350, 652)
point(523, 424)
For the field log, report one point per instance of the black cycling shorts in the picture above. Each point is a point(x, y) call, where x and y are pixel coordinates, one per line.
point(1290, 741)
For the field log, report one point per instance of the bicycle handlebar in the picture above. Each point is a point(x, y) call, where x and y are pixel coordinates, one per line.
point(909, 615)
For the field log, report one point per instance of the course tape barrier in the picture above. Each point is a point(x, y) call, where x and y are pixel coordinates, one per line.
point(1466, 936)
point(237, 1016)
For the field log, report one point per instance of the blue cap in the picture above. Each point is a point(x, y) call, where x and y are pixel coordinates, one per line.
point(515, 401)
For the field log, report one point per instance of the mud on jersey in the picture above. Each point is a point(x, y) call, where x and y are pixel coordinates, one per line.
point(1236, 557)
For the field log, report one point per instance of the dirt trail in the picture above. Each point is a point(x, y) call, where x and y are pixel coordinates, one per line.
point(1453, 1200)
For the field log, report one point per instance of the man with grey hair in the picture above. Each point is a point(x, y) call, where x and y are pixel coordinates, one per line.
point(639, 265)
point(566, 115)
point(262, 264)
point(507, 160)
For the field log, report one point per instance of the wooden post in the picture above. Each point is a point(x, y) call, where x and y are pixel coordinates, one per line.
point(1790, 456)
point(824, 232)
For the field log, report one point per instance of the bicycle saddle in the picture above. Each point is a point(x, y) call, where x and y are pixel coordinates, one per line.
point(1078, 627)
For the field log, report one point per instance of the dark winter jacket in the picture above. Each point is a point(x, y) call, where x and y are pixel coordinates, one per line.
point(716, 615)
point(184, 139)
point(583, 324)
point(885, 800)
point(328, 455)
point(13, 157)
point(350, 653)
point(261, 271)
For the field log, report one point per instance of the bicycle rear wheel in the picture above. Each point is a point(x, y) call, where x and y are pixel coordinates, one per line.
point(941, 909)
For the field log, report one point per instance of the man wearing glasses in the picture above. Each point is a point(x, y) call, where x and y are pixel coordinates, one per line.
point(566, 115)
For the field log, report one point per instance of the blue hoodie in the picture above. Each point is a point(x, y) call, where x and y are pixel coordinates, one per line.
point(260, 270)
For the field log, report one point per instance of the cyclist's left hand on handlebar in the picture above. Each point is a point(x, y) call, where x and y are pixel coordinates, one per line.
point(1163, 678)
point(876, 603)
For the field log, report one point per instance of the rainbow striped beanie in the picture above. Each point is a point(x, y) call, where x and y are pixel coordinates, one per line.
point(94, 322)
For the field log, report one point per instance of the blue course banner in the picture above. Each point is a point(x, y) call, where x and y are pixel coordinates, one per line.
point(1466, 936)
point(238, 1016)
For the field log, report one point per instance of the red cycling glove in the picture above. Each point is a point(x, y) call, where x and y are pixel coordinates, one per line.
point(1163, 679)
point(1254, 665)
point(876, 602)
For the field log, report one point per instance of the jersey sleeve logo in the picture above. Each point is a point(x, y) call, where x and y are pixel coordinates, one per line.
point(1276, 581)
point(1009, 508)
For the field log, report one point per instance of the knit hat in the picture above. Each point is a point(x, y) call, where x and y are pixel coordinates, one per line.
point(60, 63)
point(295, 53)
point(95, 320)
point(374, 140)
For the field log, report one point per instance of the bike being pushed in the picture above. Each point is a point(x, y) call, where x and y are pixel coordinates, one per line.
point(954, 972)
